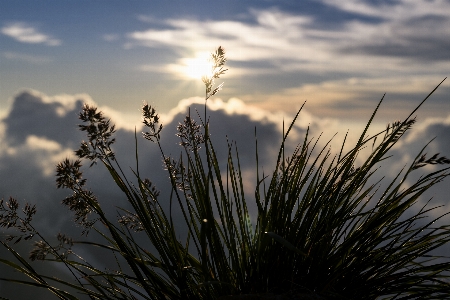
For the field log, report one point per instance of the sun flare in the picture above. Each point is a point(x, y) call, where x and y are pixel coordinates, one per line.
point(197, 67)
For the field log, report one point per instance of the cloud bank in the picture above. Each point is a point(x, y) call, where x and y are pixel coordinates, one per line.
point(40, 131)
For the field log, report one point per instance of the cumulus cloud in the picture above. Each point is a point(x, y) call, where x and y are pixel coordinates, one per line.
point(40, 130)
point(25, 33)
point(236, 107)
point(45, 153)
point(437, 132)
point(56, 116)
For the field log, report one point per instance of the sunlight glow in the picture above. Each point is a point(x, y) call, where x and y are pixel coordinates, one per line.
point(197, 67)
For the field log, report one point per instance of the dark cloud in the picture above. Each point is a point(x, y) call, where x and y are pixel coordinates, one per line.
point(437, 132)
point(419, 48)
point(31, 115)
point(408, 37)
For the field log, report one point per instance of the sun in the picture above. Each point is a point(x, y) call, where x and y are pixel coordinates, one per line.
point(195, 68)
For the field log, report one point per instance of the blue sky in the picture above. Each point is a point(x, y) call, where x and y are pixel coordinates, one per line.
point(341, 56)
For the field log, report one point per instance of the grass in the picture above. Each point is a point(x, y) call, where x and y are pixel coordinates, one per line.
point(325, 229)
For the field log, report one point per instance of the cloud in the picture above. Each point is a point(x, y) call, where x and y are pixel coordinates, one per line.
point(401, 33)
point(407, 29)
point(411, 39)
point(275, 32)
point(25, 33)
point(58, 116)
point(276, 35)
point(345, 63)
point(390, 10)
point(360, 95)
point(40, 130)
point(45, 153)
point(236, 107)
point(436, 131)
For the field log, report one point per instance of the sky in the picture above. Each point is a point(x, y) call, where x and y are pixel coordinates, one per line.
point(340, 57)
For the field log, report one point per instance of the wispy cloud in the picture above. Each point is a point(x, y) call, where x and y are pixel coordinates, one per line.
point(401, 33)
point(409, 29)
point(274, 36)
point(25, 33)
point(394, 10)
point(399, 47)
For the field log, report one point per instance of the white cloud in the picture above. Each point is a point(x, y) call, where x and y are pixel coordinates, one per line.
point(43, 152)
point(25, 33)
point(436, 131)
point(400, 48)
point(186, 69)
point(397, 43)
point(254, 116)
point(276, 35)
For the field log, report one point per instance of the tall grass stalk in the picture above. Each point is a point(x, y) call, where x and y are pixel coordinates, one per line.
point(323, 228)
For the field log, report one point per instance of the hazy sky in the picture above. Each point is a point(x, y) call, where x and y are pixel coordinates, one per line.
point(341, 56)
